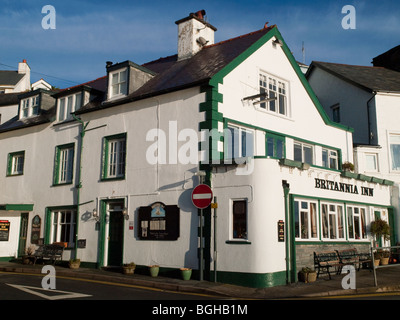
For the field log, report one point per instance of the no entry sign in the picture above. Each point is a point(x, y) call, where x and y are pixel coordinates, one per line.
point(202, 196)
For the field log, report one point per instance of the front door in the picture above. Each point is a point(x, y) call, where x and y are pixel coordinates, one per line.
point(115, 235)
point(23, 231)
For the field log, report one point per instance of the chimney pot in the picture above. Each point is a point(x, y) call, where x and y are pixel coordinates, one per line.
point(200, 14)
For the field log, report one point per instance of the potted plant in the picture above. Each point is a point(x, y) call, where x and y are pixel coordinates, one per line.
point(26, 259)
point(129, 268)
point(384, 260)
point(380, 228)
point(307, 275)
point(186, 273)
point(74, 263)
point(154, 269)
point(348, 166)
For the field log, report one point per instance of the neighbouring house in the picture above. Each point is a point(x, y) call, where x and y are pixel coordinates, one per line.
point(108, 167)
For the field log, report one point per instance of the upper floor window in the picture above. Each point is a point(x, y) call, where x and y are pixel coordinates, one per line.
point(395, 151)
point(114, 156)
point(118, 83)
point(276, 90)
point(330, 159)
point(336, 113)
point(371, 162)
point(29, 107)
point(303, 152)
point(69, 104)
point(64, 164)
point(16, 163)
point(275, 146)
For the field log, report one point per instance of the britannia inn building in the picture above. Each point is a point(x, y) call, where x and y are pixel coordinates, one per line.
point(108, 167)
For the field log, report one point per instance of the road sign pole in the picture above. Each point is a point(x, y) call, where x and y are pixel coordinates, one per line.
point(201, 245)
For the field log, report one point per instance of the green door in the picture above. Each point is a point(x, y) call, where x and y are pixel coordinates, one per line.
point(23, 231)
point(115, 238)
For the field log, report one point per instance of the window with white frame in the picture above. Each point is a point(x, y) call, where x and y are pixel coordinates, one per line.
point(63, 226)
point(371, 162)
point(276, 90)
point(69, 104)
point(332, 216)
point(239, 142)
point(29, 107)
point(118, 83)
point(64, 164)
point(239, 219)
point(303, 152)
point(115, 156)
point(330, 159)
point(16, 163)
point(394, 140)
point(305, 218)
point(356, 222)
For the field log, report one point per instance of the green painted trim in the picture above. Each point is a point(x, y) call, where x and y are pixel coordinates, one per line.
point(253, 280)
point(331, 242)
point(16, 207)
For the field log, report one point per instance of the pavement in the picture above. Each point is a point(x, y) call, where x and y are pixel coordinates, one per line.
point(388, 280)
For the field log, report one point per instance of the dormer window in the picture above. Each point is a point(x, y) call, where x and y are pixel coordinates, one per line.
point(29, 107)
point(67, 105)
point(119, 81)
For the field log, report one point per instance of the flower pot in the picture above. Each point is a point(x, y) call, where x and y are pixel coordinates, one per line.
point(186, 273)
point(384, 261)
point(74, 265)
point(128, 270)
point(311, 277)
point(154, 271)
point(376, 262)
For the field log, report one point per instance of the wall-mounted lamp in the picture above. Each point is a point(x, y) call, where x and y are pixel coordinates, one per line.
point(95, 215)
point(264, 100)
point(125, 213)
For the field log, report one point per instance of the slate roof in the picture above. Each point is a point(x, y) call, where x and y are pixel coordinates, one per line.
point(369, 78)
point(175, 75)
point(10, 77)
point(8, 99)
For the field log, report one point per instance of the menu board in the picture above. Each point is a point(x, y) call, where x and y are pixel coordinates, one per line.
point(4, 230)
point(158, 222)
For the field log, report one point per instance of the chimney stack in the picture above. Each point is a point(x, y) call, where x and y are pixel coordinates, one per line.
point(193, 34)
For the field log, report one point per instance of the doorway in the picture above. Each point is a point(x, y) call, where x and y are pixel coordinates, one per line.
point(115, 238)
point(23, 231)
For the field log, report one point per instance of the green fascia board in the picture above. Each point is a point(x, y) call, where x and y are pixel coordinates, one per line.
point(16, 207)
point(274, 32)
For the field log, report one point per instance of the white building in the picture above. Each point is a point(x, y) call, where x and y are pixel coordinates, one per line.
point(108, 167)
point(365, 98)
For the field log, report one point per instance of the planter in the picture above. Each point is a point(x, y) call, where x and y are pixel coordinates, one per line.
point(74, 264)
point(128, 270)
point(376, 262)
point(186, 273)
point(384, 261)
point(154, 271)
point(308, 277)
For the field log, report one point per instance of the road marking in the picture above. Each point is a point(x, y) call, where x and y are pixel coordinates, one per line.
point(50, 293)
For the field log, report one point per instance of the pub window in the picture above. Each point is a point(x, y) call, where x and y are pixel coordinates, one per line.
point(63, 226)
point(371, 162)
point(330, 159)
point(303, 152)
point(275, 146)
point(239, 219)
point(332, 221)
point(305, 216)
point(357, 228)
point(277, 94)
point(239, 142)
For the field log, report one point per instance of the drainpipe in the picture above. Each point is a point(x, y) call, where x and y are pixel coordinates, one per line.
point(370, 135)
point(286, 190)
point(79, 182)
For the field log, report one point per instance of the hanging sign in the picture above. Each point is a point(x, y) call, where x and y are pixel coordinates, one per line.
point(281, 231)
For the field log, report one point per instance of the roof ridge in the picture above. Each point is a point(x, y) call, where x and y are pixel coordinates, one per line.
point(83, 84)
point(159, 59)
point(350, 65)
point(240, 37)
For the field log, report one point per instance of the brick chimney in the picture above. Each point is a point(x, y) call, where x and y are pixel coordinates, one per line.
point(193, 34)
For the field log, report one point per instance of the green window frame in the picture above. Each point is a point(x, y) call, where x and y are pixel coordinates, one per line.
point(64, 164)
point(114, 157)
point(15, 163)
point(275, 146)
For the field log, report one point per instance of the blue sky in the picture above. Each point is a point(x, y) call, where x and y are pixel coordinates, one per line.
point(89, 33)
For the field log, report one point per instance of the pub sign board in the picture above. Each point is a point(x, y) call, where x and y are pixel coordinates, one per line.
point(4, 230)
point(159, 222)
point(35, 234)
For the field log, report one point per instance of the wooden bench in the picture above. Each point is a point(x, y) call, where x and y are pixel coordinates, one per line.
point(325, 260)
point(50, 252)
point(349, 257)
